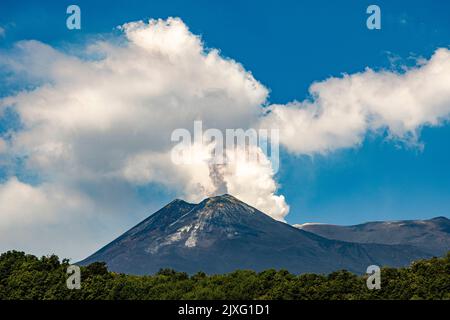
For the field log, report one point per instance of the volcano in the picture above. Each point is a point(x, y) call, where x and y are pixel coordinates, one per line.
point(222, 234)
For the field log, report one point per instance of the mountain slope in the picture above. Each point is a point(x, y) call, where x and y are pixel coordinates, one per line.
point(222, 234)
point(431, 236)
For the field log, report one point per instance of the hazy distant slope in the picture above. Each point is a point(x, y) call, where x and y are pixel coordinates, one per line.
point(432, 236)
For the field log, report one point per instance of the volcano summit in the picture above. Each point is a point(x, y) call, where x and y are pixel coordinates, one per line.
point(222, 234)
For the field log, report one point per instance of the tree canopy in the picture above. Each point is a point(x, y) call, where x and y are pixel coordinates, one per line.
point(24, 276)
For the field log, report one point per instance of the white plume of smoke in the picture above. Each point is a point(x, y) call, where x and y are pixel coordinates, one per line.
point(251, 180)
point(216, 174)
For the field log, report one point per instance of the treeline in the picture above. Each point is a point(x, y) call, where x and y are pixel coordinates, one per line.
point(24, 276)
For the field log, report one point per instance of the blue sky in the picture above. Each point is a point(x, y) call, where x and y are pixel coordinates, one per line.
point(288, 45)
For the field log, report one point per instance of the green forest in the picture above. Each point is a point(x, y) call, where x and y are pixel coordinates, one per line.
point(24, 276)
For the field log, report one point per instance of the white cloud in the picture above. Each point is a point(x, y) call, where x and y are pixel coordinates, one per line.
point(106, 119)
point(2, 32)
point(343, 110)
point(45, 219)
point(59, 218)
point(23, 204)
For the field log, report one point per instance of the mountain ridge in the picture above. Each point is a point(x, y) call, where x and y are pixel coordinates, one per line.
point(431, 235)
